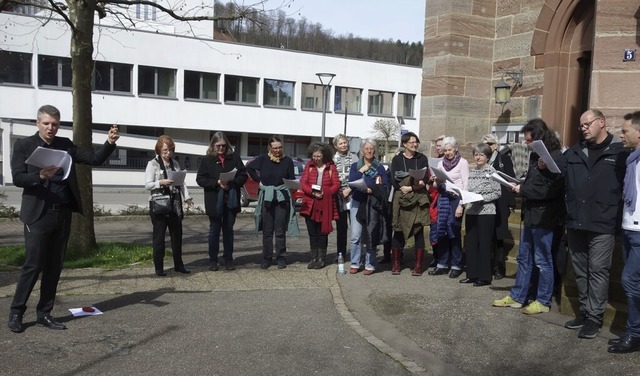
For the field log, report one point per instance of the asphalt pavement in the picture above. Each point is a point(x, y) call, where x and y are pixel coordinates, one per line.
point(293, 321)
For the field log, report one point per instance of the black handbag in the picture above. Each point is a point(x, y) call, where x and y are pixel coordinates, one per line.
point(161, 205)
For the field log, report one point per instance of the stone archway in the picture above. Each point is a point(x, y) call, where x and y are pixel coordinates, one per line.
point(562, 44)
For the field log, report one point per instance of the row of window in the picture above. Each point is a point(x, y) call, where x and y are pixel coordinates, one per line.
point(55, 71)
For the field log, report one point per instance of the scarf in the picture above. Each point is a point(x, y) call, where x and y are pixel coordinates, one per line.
point(450, 164)
point(629, 193)
point(373, 169)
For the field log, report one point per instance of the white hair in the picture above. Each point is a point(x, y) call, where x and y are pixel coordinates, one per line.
point(450, 140)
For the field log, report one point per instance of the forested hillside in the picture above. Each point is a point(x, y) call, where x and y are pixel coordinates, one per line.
point(275, 29)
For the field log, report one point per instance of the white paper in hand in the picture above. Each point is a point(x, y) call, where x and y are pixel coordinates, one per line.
point(227, 176)
point(45, 157)
point(418, 174)
point(539, 148)
point(177, 177)
point(359, 184)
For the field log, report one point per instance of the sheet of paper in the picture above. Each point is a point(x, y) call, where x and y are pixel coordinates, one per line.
point(433, 162)
point(465, 196)
point(440, 174)
point(509, 178)
point(418, 174)
point(292, 184)
point(538, 147)
point(500, 179)
point(77, 312)
point(45, 157)
point(359, 184)
point(177, 177)
point(228, 176)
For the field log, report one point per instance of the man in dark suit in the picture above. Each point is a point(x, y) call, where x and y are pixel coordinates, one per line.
point(48, 199)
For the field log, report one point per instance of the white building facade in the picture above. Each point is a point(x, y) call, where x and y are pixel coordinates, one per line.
point(152, 83)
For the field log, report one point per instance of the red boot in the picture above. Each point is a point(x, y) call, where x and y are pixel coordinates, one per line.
point(417, 270)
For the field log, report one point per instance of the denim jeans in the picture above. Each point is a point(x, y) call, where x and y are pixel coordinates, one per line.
point(535, 250)
point(631, 279)
point(450, 250)
point(356, 242)
point(225, 223)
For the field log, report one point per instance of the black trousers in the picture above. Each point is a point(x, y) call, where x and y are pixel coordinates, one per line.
point(45, 244)
point(342, 231)
point(275, 218)
point(478, 245)
point(160, 224)
point(317, 240)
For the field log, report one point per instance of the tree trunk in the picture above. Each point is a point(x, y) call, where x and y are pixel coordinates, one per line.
point(81, 13)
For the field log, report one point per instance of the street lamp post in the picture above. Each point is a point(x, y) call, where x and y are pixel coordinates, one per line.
point(325, 80)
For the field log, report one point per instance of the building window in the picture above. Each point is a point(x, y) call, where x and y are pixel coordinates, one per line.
point(54, 71)
point(15, 68)
point(241, 89)
point(200, 85)
point(348, 98)
point(312, 97)
point(112, 77)
point(146, 11)
point(405, 105)
point(157, 81)
point(380, 103)
point(278, 93)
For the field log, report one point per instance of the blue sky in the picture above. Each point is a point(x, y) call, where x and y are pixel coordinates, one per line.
point(381, 19)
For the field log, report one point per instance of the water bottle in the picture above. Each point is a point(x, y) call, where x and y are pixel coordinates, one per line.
point(341, 269)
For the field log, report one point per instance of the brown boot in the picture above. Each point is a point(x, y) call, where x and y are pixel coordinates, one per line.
point(417, 271)
point(395, 261)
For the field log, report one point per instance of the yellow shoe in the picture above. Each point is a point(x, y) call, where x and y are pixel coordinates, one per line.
point(535, 308)
point(506, 302)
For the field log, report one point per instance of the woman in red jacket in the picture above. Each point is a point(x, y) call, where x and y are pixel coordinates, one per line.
point(319, 182)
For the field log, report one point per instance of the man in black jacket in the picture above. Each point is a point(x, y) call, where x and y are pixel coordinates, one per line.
point(48, 199)
point(593, 182)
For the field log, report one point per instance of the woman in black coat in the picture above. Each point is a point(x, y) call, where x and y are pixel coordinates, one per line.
point(504, 206)
point(221, 198)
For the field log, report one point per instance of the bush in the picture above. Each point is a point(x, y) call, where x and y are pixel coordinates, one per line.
point(100, 211)
point(7, 211)
point(134, 210)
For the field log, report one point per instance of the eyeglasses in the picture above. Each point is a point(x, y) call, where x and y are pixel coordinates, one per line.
point(166, 150)
point(588, 123)
point(413, 142)
point(277, 148)
point(220, 145)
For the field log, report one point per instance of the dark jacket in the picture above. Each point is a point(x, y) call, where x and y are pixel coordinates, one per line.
point(208, 176)
point(593, 195)
point(28, 176)
point(542, 194)
point(507, 200)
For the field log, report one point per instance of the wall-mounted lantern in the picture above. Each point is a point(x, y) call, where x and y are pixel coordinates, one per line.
point(503, 89)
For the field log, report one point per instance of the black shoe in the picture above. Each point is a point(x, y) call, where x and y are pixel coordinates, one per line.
point(468, 280)
point(228, 265)
point(265, 264)
point(481, 283)
point(182, 269)
point(385, 259)
point(589, 330)
point(455, 273)
point(213, 266)
point(282, 264)
point(438, 271)
point(576, 323)
point(615, 341)
point(626, 344)
point(15, 322)
point(161, 273)
point(498, 275)
point(50, 323)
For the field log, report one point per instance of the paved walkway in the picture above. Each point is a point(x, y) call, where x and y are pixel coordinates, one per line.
point(288, 322)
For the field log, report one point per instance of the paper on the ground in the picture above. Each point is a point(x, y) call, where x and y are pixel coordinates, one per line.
point(465, 196)
point(45, 157)
point(502, 180)
point(359, 184)
point(77, 312)
point(293, 184)
point(177, 177)
point(440, 174)
point(418, 174)
point(538, 147)
point(227, 176)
